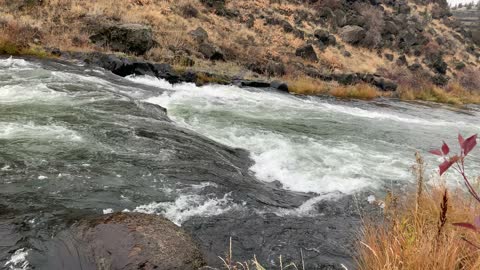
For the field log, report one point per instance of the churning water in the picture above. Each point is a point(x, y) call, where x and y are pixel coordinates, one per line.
point(76, 141)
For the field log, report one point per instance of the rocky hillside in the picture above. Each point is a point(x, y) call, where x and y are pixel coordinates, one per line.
point(383, 42)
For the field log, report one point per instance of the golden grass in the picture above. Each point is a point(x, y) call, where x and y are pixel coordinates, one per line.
point(417, 232)
point(453, 94)
point(358, 91)
point(309, 86)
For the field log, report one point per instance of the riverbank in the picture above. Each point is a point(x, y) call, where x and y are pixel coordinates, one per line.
point(315, 49)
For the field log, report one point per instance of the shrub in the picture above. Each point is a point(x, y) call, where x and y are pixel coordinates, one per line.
point(374, 22)
point(188, 11)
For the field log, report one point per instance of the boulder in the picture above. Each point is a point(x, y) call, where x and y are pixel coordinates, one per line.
point(384, 84)
point(340, 18)
point(128, 38)
point(352, 34)
point(402, 60)
point(390, 28)
point(321, 35)
point(124, 241)
point(307, 52)
point(281, 86)
point(211, 52)
point(199, 35)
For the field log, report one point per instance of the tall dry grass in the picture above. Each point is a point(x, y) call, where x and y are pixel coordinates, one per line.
point(417, 231)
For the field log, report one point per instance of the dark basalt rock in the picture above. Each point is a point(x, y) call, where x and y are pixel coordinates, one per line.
point(384, 84)
point(124, 241)
point(402, 60)
point(128, 38)
point(211, 52)
point(256, 84)
point(281, 86)
point(199, 35)
point(352, 34)
point(307, 52)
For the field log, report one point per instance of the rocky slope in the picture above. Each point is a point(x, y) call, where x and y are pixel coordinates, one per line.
point(382, 42)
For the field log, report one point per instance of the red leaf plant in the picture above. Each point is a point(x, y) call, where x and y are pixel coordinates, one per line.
point(457, 161)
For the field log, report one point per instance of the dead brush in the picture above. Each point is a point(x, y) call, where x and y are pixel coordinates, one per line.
point(423, 230)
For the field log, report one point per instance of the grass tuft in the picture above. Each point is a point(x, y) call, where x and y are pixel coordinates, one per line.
point(418, 234)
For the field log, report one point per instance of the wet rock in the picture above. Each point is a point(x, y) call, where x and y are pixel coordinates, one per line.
point(256, 84)
point(281, 86)
point(199, 35)
point(124, 241)
point(307, 52)
point(352, 34)
point(128, 38)
point(211, 52)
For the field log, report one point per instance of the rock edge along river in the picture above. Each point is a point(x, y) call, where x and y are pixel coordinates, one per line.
point(77, 141)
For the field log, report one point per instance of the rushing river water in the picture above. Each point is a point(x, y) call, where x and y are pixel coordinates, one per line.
point(77, 141)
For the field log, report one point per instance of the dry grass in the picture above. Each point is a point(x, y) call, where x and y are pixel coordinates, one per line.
point(309, 86)
point(358, 91)
point(229, 262)
point(417, 232)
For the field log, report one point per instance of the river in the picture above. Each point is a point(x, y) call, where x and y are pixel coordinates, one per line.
point(279, 174)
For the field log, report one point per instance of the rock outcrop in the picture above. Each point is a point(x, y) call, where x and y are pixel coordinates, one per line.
point(128, 38)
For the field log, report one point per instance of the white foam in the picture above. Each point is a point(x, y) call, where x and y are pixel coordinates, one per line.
point(187, 206)
point(37, 132)
point(18, 261)
point(107, 211)
point(15, 63)
point(308, 207)
point(39, 93)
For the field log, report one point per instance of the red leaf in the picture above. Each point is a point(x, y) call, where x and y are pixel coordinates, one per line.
point(445, 149)
point(436, 152)
point(461, 140)
point(469, 144)
point(444, 166)
point(466, 225)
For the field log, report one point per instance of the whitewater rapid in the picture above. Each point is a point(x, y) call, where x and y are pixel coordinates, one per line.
point(311, 144)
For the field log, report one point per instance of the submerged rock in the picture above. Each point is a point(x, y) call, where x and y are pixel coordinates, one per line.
point(124, 241)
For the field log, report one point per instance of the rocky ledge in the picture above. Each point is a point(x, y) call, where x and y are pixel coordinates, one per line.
point(123, 241)
point(124, 66)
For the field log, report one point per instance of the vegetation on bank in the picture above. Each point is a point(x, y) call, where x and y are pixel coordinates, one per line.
point(436, 227)
point(258, 40)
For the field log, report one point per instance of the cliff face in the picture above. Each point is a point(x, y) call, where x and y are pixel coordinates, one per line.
point(401, 40)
